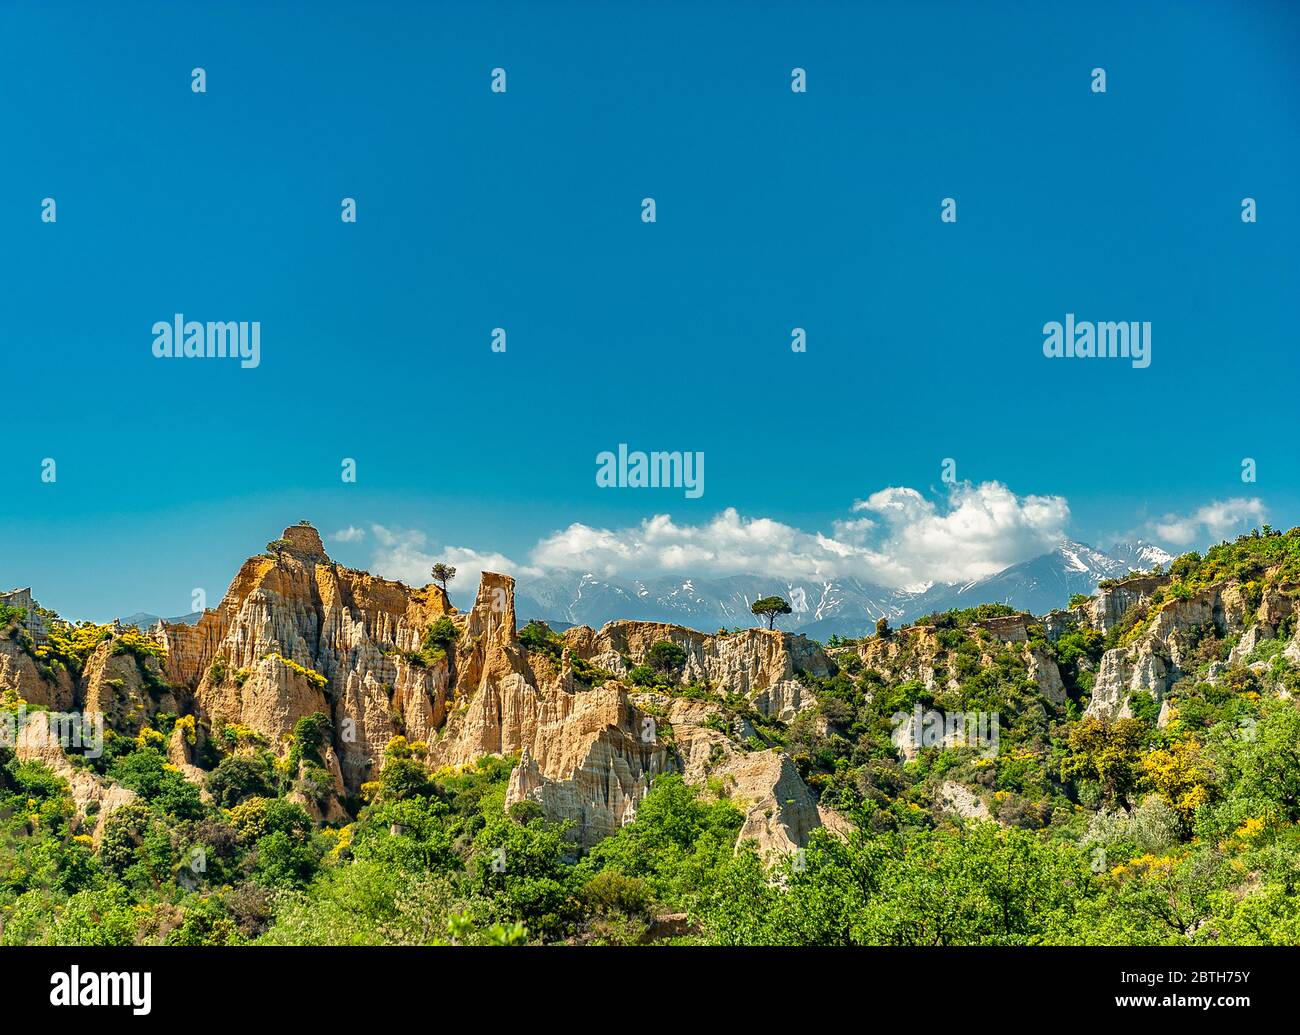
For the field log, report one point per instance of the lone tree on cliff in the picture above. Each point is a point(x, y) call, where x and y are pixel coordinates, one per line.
point(769, 608)
point(442, 574)
point(882, 628)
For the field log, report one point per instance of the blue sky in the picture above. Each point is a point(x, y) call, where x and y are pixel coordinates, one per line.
point(522, 210)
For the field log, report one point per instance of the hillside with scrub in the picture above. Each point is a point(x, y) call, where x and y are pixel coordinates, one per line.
point(329, 757)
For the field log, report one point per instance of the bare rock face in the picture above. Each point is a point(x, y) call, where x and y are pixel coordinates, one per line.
point(1044, 671)
point(1161, 654)
point(909, 654)
point(21, 677)
point(180, 753)
point(701, 748)
point(115, 687)
point(499, 698)
point(1007, 628)
point(925, 727)
point(1250, 639)
point(488, 649)
point(586, 753)
point(1109, 604)
point(296, 634)
point(1063, 620)
point(305, 542)
point(591, 761)
point(1125, 672)
point(760, 664)
point(1291, 652)
point(780, 810)
point(591, 754)
point(960, 800)
point(31, 622)
point(270, 700)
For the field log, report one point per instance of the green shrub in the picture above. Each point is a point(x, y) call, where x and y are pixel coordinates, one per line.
point(538, 638)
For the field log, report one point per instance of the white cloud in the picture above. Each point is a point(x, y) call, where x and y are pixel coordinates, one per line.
point(853, 531)
point(727, 543)
point(351, 534)
point(895, 537)
point(976, 530)
point(404, 554)
point(1213, 521)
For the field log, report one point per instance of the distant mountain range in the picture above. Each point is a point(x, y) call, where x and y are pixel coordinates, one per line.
point(844, 607)
point(143, 620)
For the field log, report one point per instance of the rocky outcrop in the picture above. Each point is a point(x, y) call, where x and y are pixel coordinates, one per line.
point(780, 810)
point(926, 727)
point(31, 621)
point(124, 690)
point(1044, 671)
point(488, 644)
point(1162, 651)
point(270, 699)
point(917, 653)
point(22, 679)
point(1007, 628)
point(41, 740)
point(959, 800)
point(499, 697)
point(1110, 603)
point(759, 664)
point(913, 653)
point(296, 634)
point(180, 753)
point(591, 760)
point(1063, 620)
point(589, 755)
point(1250, 640)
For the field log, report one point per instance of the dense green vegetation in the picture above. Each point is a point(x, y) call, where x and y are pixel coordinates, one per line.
point(435, 858)
point(538, 638)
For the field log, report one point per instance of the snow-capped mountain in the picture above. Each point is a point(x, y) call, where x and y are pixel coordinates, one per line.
point(705, 603)
point(1140, 555)
point(145, 621)
point(1036, 585)
point(844, 607)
